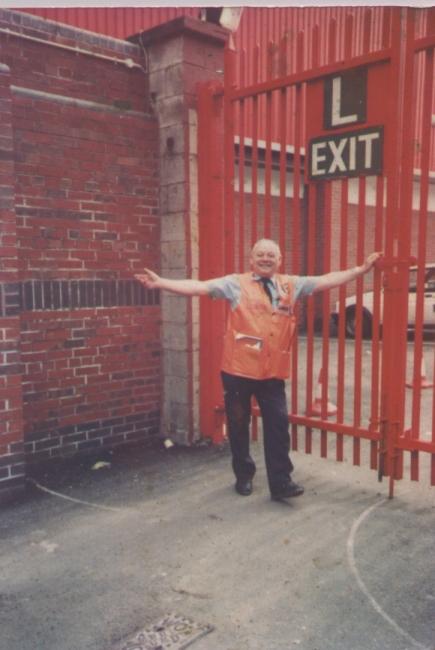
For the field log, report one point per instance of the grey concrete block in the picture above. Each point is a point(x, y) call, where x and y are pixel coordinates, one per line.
point(171, 110)
point(173, 255)
point(172, 168)
point(175, 81)
point(176, 197)
point(172, 225)
point(157, 83)
point(165, 54)
point(176, 389)
point(174, 336)
point(174, 309)
point(172, 138)
point(175, 364)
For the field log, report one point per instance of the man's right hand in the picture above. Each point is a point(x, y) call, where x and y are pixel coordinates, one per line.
point(150, 279)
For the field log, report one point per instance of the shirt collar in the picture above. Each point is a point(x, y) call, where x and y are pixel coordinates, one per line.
point(257, 278)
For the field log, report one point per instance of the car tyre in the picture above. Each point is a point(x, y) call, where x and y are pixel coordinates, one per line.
point(367, 325)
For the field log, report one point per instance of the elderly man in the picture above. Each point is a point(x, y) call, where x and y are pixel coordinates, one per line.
point(256, 354)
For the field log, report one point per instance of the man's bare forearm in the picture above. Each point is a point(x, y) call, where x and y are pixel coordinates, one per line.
point(184, 287)
point(337, 278)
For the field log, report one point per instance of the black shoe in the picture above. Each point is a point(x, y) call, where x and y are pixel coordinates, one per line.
point(291, 489)
point(244, 486)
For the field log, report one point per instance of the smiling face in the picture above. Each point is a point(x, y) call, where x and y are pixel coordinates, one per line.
point(265, 258)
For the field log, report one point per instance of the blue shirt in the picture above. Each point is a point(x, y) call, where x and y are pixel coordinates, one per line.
point(228, 288)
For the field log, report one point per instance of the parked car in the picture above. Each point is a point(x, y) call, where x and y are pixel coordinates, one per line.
point(367, 302)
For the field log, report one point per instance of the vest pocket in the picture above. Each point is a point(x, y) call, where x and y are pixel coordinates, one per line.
point(248, 341)
point(246, 354)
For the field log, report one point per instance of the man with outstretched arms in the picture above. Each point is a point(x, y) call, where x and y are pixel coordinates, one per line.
point(256, 353)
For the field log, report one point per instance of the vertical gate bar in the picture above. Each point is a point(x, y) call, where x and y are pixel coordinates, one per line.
point(359, 316)
point(283, 165)
point(313, 208)
point(312, 203)
point(253, 217)
point(376, 351)
point(326, 301)
point(230, 70)
point(393, 293)
point(405, 222)
point(267, 217)
point(344, 225)
point(211, 255)
point(283, 177)
point(326, 297)
point(241, 211)
point(296, 223)
point(392, 157)
point(254, 154)
point(268, 151)
point(341, 334)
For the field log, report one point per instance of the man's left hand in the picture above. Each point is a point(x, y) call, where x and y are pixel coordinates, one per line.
point(370, 261)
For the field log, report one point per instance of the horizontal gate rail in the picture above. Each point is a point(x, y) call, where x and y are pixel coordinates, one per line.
point(314, 74)
point(334, 427)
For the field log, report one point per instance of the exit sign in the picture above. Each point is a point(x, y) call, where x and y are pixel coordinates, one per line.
point(353, 153)
point(345, 124)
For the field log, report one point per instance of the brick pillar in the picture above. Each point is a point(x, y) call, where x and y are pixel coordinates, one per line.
point(181, 53)
point(12, 478)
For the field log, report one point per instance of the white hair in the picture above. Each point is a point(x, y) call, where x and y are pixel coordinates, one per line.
point(266, 241)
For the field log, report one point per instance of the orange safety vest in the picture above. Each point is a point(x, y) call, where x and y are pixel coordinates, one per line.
point(258, 337)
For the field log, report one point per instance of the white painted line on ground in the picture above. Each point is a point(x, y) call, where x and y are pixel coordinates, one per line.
point(362, 586)
point(84, 503)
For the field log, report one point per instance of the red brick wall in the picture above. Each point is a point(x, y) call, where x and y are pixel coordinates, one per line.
point(11, 428)
point(86, 207)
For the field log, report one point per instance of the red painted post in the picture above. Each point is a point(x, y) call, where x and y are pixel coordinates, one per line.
point(376, 345)
point(228, 157)
point(399, 194)
point(211, 255)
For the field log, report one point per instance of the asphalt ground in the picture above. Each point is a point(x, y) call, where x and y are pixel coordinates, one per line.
point(107, 552)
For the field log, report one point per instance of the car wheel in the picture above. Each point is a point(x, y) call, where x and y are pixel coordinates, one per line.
point(351, 323)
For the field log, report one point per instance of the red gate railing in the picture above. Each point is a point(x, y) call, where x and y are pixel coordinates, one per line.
point(253, 182)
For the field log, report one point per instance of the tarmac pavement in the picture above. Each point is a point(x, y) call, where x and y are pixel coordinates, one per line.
point(108, 552)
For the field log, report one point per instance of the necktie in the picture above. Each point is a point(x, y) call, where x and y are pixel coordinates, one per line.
point(266, 282)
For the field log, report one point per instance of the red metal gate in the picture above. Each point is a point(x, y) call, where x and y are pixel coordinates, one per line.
point(370, 395)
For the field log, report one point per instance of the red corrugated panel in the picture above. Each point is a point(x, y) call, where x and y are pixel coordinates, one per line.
point(119, 22)
point(258, 24)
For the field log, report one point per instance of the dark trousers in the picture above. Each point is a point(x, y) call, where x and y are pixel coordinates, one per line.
point(271, 399)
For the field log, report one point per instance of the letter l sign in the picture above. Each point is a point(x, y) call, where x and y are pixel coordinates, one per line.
point(345, 98)
point(336, 118)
